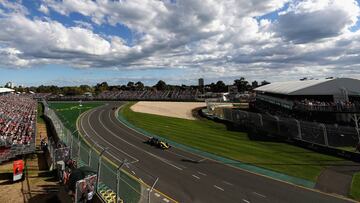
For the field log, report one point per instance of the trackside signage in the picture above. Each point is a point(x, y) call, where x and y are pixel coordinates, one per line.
point(18, 167)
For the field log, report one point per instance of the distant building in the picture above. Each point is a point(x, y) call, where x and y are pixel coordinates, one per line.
point(201, 82)
point(10, 85)
point(4, 90)
point(321, 100)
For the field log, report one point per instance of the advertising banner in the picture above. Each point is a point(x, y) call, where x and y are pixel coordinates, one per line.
point(85, 189)
point(18, 167)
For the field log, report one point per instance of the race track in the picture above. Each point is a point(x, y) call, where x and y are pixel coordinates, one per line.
point(180, 176)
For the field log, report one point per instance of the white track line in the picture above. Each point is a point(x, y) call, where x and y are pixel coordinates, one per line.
point(197, 177)
point(202, 173)
point(138, 148)
point(247, 201)
point(88, 121)
point(166, 200)
point(219, 188)
point(258, 194)
point(157, 194)
point(227, 183)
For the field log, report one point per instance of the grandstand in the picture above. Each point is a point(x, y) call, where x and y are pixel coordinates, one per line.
point(126, 95)
point(326, 100)
point(4, 91)
point(17, 125)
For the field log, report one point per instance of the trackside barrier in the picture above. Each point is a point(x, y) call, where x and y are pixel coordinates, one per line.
point(115, 184)
point(326, 137)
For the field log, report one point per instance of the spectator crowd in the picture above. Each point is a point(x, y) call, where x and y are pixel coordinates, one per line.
point(17, 119)
point(340, 106)
point(151, 95)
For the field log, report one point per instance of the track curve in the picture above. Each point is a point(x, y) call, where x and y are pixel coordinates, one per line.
point(183, 180)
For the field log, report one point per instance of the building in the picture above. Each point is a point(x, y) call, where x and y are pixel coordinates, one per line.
point(10, 85)
point(201, 82)
point(4, 90)
point(316, 99)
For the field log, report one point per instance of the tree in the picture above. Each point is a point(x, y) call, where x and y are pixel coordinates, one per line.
point(242, 84)
point(130, 85)
point(85, 88)
point(264, 82)
point(101, 87)
point(161, 85)
point(218, 87)
point(139, 85)
point(254, 84)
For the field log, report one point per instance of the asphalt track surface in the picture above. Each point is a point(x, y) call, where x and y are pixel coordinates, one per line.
point(181, 177)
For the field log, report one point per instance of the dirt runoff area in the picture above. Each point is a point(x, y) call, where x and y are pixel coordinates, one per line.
point(171, 109)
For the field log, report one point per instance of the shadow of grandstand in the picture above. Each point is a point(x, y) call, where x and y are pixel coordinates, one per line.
point(48, 194)
point(315, 162)
point(8, 181)
point(6, 176)
point(282, 164)
point(190, 161)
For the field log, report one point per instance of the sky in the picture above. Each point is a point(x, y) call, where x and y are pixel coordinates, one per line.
point(73, 42)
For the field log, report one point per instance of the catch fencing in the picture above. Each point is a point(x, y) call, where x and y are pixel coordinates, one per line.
point(312, 132)
point(115, 181)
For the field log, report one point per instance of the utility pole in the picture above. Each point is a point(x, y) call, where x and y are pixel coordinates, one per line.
point(356, 119)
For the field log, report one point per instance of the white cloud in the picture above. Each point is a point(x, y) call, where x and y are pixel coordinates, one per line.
point(44, 9)
point(214, 37)
point(311, 20)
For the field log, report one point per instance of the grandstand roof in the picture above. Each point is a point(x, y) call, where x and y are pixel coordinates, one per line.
point(5, 90)
point(313, 87)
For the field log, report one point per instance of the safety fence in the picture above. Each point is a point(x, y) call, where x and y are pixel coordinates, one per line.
point(115, 181)
point(312, 132)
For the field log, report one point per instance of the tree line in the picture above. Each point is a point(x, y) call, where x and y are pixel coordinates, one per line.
point(241, 85)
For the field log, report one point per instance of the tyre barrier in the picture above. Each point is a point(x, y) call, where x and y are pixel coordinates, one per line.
point(109, 196)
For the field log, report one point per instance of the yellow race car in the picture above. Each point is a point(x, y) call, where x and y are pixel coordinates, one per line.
point(158, 143)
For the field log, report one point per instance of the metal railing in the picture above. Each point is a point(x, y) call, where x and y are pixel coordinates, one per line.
point(115, 182)
point(317, 133)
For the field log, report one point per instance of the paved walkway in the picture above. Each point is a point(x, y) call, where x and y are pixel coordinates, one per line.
point(39, 185)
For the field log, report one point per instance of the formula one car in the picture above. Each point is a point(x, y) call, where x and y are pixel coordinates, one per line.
point(158, 143)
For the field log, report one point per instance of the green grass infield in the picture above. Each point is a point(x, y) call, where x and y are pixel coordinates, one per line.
point(215, 138)
point(355, 186)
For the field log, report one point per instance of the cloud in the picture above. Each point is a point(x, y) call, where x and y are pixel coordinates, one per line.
point(216, 38)
point(311, 20)
point(44, 9)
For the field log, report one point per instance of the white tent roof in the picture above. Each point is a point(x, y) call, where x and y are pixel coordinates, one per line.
point(313, 87)
point(5, 90)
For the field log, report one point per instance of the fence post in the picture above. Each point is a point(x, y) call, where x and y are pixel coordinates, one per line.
point(277, 123)
point(299, 128)
point(325, 134)
point(261, 120)
point(152, 187)
point(89, 157)
point(71, 146)
point(99, 167)
point(118, 180)
point(78, 154)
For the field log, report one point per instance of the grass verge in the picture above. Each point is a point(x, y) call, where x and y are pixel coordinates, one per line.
point(69, 113)
point(355, 186)
point(40, 113)
point(215, 138)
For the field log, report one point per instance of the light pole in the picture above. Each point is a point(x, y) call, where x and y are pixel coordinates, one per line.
point(356, 119)
point(99, 166)
point(118, 180)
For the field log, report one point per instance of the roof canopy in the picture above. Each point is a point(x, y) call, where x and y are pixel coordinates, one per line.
point(313, 87)
point(5, 90)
